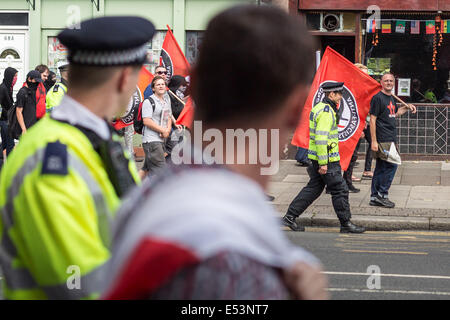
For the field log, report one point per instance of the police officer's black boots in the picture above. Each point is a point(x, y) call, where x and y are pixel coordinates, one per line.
point(349, 227)
point(289, 221)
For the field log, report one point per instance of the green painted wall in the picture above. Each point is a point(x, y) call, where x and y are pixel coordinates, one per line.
point(199, 12)
point(51, 16)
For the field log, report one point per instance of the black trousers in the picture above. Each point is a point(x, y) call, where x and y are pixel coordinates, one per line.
point(348, 174)
point(368, 162)
point(336, 185)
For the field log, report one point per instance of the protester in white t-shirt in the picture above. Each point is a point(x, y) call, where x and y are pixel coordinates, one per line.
point(156, 115)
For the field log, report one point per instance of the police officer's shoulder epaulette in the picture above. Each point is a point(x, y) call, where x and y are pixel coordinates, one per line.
point(327, 108)
point(55, 159)
point(56, 88)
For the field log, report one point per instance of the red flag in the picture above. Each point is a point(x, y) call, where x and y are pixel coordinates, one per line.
point(145, 78)
point(359, 88)
point(186, 116)
point(172, 57)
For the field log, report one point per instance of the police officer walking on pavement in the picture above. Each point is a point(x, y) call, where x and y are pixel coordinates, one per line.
point(57, 92)
point(64, 181)
point(325, 169)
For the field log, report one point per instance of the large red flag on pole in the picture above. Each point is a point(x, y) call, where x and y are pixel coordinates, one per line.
point(359, 88)
point(145, 78)
point(173, 59)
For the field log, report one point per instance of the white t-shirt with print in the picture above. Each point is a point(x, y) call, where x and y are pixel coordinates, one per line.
point(162, 110)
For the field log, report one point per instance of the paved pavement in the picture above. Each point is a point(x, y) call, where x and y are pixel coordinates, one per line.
point(420, 190)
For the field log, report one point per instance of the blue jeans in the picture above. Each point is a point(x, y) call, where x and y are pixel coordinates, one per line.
point(382, 178)
point(302, 155)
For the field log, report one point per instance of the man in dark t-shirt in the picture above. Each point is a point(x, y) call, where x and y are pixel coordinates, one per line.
point(26, 101)
point(383, 131)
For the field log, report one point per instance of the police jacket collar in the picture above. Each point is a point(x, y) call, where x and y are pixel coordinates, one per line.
point(78, 115)
point(331, 103)
point(64, 82)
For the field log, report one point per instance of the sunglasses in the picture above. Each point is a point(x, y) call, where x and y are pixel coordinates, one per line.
point(161, 72)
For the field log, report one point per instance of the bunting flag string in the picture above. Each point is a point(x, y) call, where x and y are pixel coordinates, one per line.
point(431, 26)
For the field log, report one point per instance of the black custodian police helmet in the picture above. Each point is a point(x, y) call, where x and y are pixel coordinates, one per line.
point(333, 86)
point(108, 41)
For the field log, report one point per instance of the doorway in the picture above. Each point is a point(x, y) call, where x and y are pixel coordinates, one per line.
point(13, 49)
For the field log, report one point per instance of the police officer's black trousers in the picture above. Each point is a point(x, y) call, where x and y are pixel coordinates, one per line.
point(335, 184)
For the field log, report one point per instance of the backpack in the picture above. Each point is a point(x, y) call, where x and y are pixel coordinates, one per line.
point(138, 122)
point(14, 128)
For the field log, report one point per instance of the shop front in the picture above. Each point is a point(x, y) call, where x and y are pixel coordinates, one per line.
point(412, 42)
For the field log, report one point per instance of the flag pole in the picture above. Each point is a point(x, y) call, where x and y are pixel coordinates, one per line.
point(176, 97)
point(401, 101)
point(317, 59)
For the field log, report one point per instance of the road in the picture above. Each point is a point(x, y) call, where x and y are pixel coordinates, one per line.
point(412, 265)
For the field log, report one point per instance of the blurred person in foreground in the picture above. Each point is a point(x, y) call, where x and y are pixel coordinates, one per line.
point(220, 239)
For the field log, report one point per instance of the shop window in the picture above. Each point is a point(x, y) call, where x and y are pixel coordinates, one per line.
point(313, 21)
point(409, 56)
point(13, 19)
point(154, 50)
point(56, 52)
point(193, 41)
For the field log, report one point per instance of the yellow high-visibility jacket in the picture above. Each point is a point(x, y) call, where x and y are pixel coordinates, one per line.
point(56, 206)
point(323, 134)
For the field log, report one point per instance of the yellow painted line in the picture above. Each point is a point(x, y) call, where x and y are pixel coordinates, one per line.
point(438, 293)
point(397, 240)
point(389, 252)
point(378, 248)
point(419, 233)
point(392, 275)
point(412, 232)
point(393, 237)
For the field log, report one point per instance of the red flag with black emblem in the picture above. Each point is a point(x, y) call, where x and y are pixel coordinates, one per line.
point(172, 57)
point(145, 78)
point(359, 88)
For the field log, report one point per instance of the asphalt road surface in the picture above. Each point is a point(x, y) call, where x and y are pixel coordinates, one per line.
point(381, 265)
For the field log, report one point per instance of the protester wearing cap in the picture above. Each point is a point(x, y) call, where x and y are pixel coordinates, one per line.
point(325, 169)
point(67, 176)
point(26, 102)
point(57, 92)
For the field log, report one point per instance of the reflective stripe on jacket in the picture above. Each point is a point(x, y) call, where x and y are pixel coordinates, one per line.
point(323, 134)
